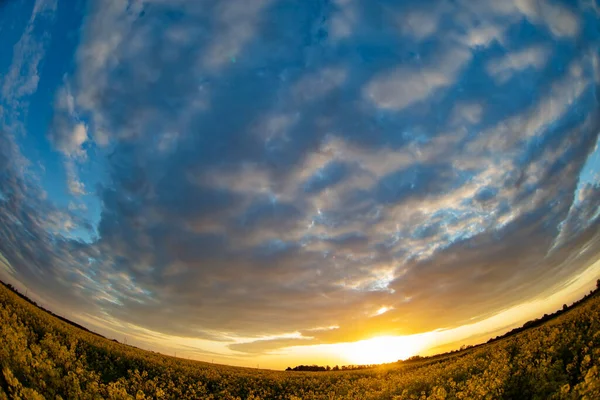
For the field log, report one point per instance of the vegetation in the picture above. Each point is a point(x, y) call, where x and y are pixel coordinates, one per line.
point(44, 357)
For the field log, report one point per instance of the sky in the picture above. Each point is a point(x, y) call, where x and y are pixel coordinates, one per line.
point(275, 182)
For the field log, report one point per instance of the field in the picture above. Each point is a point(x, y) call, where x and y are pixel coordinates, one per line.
point(44, 357)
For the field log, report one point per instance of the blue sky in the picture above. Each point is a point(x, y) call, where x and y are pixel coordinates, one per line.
point(215, 169)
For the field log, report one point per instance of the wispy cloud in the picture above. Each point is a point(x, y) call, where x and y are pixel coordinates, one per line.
point(23, 76)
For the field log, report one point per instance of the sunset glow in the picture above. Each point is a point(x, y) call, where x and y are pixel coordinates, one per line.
point(384, 349)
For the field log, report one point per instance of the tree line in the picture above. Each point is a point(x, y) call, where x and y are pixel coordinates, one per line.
point(320, 368)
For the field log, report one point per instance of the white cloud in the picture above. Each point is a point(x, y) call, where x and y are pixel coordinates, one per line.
point(23, 76)
point(236, 21)
point(484, 22)
point(70, 143)
point(59, 222)
point(77, 206)
point(101, 137)
point(79, 136)
point(68, 135)
point(595, 66)
point(405, 86)
point(343, 20)
point(480, 23)
point(533, 121)
point(419, 24)
point(484, 35)
point(562, 95)
point(74, 185)
point(104, 32)
point(560, 20)
point(167, 142)
point(65, 100)
point(318, 84)
point(114, 36)
point(275, 126)
point(466, 113)
point(504, 68)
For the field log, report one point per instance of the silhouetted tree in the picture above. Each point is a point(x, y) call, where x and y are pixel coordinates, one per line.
point(312, 368)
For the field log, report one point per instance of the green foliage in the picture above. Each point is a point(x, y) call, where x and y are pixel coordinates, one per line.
point(43, 357)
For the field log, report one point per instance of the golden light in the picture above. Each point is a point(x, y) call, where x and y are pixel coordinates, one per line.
point(384, 349)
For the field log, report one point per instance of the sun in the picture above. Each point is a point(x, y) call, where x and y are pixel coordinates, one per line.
point(384, 349)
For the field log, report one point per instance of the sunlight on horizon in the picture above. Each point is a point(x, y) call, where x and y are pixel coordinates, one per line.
point(384, 349)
